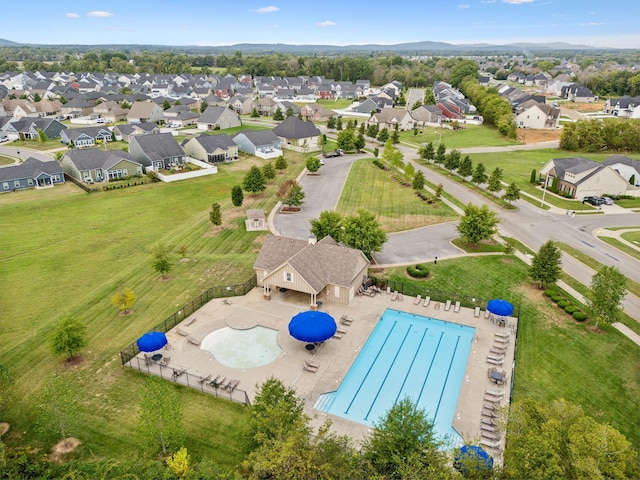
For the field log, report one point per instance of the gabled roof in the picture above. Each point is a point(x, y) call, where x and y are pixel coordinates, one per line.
point(141, 109)
point(390, 115)
point(322, 263)
point(259, 137)
point(93, 158)
point(212, 142)
point(93, 132)
point(620, 159)
point(293, 127)
point(212, 114)
point(159, 145)
point(30, 168)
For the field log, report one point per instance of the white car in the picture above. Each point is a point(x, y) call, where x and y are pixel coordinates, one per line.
point(4, 138)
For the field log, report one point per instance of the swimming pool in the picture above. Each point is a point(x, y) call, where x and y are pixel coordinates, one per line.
point(250, 348)
point(406, 355)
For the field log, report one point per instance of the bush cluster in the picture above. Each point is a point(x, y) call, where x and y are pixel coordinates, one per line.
point(401, 180)
point(418, 271)
point(566, 305)
point(424, 196)
point(380, 165)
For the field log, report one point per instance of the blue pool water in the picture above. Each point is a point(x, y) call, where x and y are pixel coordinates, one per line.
point(406, 355)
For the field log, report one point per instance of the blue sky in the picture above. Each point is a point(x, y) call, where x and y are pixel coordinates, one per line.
point(612, 23)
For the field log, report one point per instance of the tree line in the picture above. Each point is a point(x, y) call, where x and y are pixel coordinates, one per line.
point(601, 135)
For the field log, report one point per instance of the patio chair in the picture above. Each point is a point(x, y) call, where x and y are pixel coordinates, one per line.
point(476, 312)
point(488, 428)
point(189, 321)
point(495, 393)
point(417, 300)
point(447, 306)
point(394, 296)
point(181, 332)
point(456, 308)
point(309, 368)
point(502, 334)
point(487, 314)
point(496, 357)
point(193, 340)
point(495, 362)
point(427, 301)
point(341, 331)
point(487, 443)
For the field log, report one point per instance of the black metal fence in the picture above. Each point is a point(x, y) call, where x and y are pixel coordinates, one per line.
point(129, 352)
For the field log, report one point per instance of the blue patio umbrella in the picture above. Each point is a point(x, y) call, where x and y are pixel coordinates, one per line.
point(499, 307)
point(470, 456)
point(312, 326)
point(152, 341)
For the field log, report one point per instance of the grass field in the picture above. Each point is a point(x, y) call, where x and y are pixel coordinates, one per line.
point(557, 357)
point(396, 207)
point(470, 136)
point(66, 252)
point(6, 160)
point(623, 247)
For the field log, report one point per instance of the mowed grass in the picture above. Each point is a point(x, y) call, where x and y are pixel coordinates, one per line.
point(67, 252)
point(396, 207)
point(557, 357)
point(469, 136)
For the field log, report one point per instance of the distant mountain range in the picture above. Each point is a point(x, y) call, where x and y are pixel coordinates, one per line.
point(413, 48)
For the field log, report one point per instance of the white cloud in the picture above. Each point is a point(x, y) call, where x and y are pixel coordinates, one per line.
point(269, 9)
point(464, 5)
point(99, 13)
point(517, 2)
point(488, 1)
point(72, 15)
point(326, 23)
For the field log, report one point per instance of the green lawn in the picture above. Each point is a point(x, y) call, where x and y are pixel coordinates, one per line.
point(6, 160)
point(470, 136)
point(338, 104)
point(396, 207)
point(37, 145)
point(91, 247)
point(633, 237)
point(557, 357)
point(623, 247)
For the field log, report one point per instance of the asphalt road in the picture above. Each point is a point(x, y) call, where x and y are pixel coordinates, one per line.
point(24, 154)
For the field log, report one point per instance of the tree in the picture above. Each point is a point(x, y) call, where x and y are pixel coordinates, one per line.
point(546, 265)
point(295, 196)
point(331, 122)
point(605, 294)
point(281, 163)
point(58, 407)
point(162, 260)
point(203, 106)
point(289, 112)
point(254, 181)
point(466, 167)
point(360, 142)
point(494, 184)
point(438, 191)
point(392, 155)
point(461, 70)
point(632, 180)
point(479, 174)
point(313, 164)
point(339, 123)
point(477, 223)
point(277, 115)
point(166, 105)
point(395, 137)
point(124, 300)
point(427, 152)
point(329, 223)
point(372, 130)
point(440, 154)
point(383, 135)
point(255, 113)
point(37, 98)
point(533, 179)
point(268, 171)
point(511, 194)
point(452, 160)
point(362, 231)
point(42, 137)
point(69, 337)
point(404, 440)
point(418, 181)
point(179, 463)
point(557, 440)
point(346, 140)
point(159, 423)
point(237, 197)
point(215, 215)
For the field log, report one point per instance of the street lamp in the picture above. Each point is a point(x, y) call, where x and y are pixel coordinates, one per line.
point(544, 190)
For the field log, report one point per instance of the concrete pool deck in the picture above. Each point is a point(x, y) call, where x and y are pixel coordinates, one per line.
point(335, 356)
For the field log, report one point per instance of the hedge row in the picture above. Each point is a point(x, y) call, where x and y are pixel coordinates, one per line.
point(380, 165)
point(419, 271)
point(122, 185)
point(566, 305)
point(401, 180)
point(425, 197)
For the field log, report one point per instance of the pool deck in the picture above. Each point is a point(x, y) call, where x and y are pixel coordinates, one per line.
point(335, 356)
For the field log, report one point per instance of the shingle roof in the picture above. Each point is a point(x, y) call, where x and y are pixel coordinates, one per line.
point(30, 168)
point(211, 142)
point(211, 114)
point(159, 145)
point(293, 127)
point(259, 137)
point(93, 132)
point(92, 158)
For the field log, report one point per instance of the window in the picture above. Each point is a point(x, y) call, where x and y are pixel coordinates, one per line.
point(29, 181)
point(5, 186)
point(16, 183)
point(55, 178)
point(288, 277)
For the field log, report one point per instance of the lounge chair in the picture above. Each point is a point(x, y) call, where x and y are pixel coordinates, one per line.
point(346, 322)
point(231, 386)
point(487, 443)
point(394, 296)
point(226, 301)
point(497, 351)
point(204, 379)
point(488, 413)
point(216, 381)
point(400, 297)
point(489, 436)
point(495, 362)
point(501, 340)
point(341, 331)
point(181, 332)
point(502, 334)
point(189, 321)
point(309, 368)
point(427, 301)
point(447, 306)
point(496, 357)
point(346, 318)
point(496, 393)
point(417, 300)
point(487, 314)
point(456, 308)
point(193, 340)
point(311, 364)
point(476, 312)
point(488, 428)
point(337, 335)
point(488, 421)
point(492, 399)
point(489, 406)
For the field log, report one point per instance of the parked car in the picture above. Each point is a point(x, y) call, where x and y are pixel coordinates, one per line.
point(607, 200)
point(4, 138)
point(595, 201)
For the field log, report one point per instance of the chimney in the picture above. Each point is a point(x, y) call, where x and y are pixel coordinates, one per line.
point(312, 239)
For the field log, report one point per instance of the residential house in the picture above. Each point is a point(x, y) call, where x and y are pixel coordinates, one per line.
point(218, 118)
point(29, 128)
point(285, 105)
point(256, 220)
point(298, 135)
point(580, 177)
point(577, 93)
point(141, 112)
point(111, 111)
point(266, 106)
point(539, 116)
point(157, 152)
point(125, 132)
point(425, 114)
point(390, 117)
point(184, 119)
point(211, 148)
point(261, 143)
point(77, 107)
point(94, 165)
point(325, 270)
point(316, 113)
point(85, 136)
point(367, 106)
point(32, 173)
point(627, 168)
point(624, 107)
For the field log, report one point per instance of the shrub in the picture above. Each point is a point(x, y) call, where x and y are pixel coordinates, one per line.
point(571, 309)
point(550, 293)
point(580, 316)
point(419, 271)
point(563, 303)
point(557, 298)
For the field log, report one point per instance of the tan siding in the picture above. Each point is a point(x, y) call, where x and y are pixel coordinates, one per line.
point(277, 279)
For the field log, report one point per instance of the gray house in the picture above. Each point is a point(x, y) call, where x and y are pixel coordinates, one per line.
point(125, 132)
point(261, 143)
point(91, 165)
point(32, 173)
point(156, 152)
point(27, 128)
point(85, 136)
